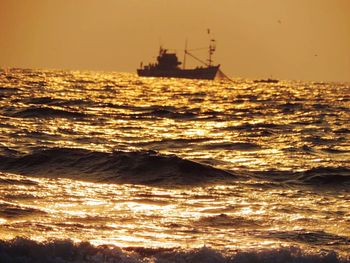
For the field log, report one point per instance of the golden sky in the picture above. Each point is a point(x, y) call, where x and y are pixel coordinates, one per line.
point(287, 39)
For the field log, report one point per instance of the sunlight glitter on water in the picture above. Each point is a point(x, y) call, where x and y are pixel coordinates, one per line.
point(129, 215)
point(260, 131)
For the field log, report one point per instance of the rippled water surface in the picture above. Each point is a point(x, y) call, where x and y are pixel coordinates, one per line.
point(111, 158)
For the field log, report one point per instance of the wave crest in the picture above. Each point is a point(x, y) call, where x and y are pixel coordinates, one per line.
point(326, 176)
point(45, 112)
point(141, 167)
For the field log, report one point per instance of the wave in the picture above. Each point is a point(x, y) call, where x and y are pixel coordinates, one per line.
point(318, 140)
point(10, 211)
point(140, 167)
point(168, 143)
point(45, 112)
point(162, 112)
point(303, 149)
point(152, 168)
point(38, 100)
point(310, 237)
point(8, 90)
point(239, 146)
point(342, 131)
point(7, 181)
point(322, 176)
point(335, 151)
point(325, 175)
point(65, 251)
point(4, 150)
point(257, 126)
point(55, 102)
point(224, 220)
point(291, 107)
point(157, 111)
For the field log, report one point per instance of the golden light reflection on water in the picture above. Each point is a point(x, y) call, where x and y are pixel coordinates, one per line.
point(193, 110)
point(223, 216)
point(241, 126)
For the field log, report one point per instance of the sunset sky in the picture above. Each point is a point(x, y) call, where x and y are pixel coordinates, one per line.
point(286, 39)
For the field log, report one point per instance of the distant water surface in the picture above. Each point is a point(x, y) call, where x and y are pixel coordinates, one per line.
point(171, 169)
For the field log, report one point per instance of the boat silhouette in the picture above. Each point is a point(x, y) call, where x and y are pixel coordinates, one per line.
point(168, 65)
point(269, 80)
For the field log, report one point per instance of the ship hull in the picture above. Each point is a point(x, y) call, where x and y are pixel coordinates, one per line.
point(197, 73)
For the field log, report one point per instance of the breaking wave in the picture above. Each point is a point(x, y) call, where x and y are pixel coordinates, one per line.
point(65, 251)
point(141, 167)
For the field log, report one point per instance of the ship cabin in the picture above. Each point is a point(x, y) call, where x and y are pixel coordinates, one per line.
point(167, 61)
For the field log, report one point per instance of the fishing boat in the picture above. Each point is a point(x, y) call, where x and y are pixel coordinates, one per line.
point(168, 66)
point(269, 80)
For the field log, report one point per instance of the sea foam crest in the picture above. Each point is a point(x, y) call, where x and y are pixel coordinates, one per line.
point(65, 251)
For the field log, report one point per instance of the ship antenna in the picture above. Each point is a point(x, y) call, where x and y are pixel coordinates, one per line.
point(160, 45)
point(185, 54)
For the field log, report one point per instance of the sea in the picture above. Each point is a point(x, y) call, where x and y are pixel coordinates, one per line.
point(112, 167)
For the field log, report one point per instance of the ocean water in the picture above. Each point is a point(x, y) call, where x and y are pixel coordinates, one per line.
point(110, 167)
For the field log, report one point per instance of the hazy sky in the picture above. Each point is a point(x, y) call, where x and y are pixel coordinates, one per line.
point(287, 39)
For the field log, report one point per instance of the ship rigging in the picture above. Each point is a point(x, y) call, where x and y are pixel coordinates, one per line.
point(168, 65)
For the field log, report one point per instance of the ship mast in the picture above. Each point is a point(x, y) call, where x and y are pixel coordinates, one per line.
point(212, 48)
point(185, 53)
